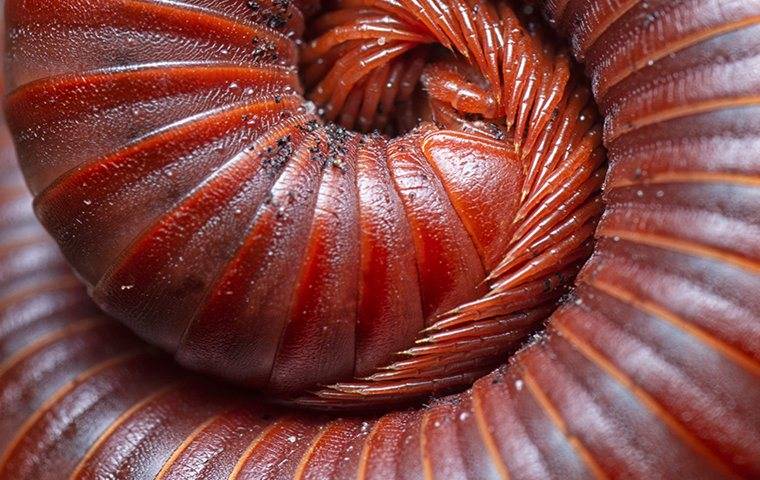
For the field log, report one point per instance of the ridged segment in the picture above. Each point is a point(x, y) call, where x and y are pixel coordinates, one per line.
point(175, 156)
point(649, 370)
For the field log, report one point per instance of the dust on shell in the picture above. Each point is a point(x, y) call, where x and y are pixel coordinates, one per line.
point(264, 237)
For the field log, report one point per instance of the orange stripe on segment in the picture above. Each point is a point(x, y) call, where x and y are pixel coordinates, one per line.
point(556, 418)
point(651, 308)
point(427, 467)
point(646, 399)
point(183, 446)
point(487, 436)
point(235, 473)
point(119, 421)
point(605, 24)
point(672, 47)
point(681, 111)
point(364, 456)
point(683, 246)
point(48, 339)
point(690, 177)
point(301, 470)
point(62, 392)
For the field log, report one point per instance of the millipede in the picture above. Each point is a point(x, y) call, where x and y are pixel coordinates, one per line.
point(380, 239)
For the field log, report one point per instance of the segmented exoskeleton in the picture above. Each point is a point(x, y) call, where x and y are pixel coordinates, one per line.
point(649, 369)
point(297, 253)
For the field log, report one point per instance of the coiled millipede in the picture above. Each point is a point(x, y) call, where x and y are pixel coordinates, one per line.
point(200, 165)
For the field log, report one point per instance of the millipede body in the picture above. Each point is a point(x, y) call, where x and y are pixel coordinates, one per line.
point(299, 254)
point(352, 211)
